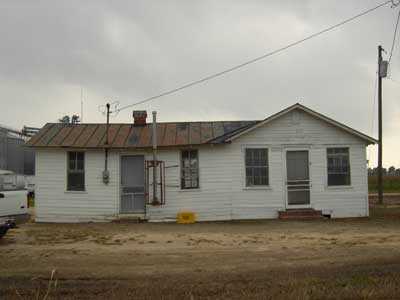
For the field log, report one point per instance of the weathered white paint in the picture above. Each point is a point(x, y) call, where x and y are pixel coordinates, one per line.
point(14, 203)
point(55, 204)
point(222, 194)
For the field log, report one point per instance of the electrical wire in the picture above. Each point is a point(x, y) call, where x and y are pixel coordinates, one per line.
point(251, 61)
point(394, 37)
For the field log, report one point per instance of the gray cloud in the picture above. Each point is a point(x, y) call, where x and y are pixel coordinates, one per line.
point(120, 50)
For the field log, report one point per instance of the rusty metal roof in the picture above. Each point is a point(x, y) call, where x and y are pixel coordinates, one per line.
point(56, 135)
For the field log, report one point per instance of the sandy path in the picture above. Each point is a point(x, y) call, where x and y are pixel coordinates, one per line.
point(123, 250)
point(353, 259)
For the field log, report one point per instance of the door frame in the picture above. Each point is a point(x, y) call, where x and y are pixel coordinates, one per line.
point(288, 149)
point(121, 155)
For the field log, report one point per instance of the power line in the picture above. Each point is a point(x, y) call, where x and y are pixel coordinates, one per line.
point(394, 37)
point(251, 61)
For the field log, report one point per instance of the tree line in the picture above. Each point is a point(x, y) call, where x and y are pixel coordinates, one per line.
point(391, 171)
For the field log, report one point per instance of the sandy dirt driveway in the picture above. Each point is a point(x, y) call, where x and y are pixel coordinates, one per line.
point(266, 259)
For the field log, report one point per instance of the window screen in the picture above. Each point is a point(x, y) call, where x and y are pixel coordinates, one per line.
point(189, 169)
point(76, 171)
point(338, 166)
point(256, 167)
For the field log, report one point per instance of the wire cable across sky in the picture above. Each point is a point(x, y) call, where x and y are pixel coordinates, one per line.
point(394, 37)
point(254, 60)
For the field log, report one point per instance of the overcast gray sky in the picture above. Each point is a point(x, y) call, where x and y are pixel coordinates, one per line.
point(127, 50)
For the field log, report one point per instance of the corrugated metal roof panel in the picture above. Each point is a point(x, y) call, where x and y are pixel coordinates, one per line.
point(61, 136)
point(182, 133)
point(194, 133)
point(133, 139)
point(206, 132)
point(145, 137)
point(112, 133)
point(73, 135)
point(85, 135)
point(119, 141)
point(97, 136)
point(170, 135)
point(50, 134)
point(218, 129)
point(131, 136)
point(33, 140)
point(161, 133)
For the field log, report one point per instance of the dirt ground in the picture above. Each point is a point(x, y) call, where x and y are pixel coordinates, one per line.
point(337, 259)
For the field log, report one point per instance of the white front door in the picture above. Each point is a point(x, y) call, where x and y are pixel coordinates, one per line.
point(297, 179)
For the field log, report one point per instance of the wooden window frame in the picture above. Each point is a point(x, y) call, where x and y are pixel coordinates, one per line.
point(266, 166)
point(348, 173)
point(183, 169)
point(75, 170)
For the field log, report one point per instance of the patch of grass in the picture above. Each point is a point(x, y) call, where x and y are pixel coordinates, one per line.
point(356, 285)
point(391, 184)
point(385, 212)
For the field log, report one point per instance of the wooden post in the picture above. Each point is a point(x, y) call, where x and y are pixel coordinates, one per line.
point(106, 174)
point(154, 157)
point(380, 180)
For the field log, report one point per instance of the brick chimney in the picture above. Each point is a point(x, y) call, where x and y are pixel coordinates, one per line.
point(139, 117)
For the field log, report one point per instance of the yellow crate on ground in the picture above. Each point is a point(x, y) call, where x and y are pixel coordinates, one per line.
point(186, 217)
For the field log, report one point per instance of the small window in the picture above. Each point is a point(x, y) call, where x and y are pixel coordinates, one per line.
point(257, 167)
point(189, 169)
point(338, 166)
point(76, 171)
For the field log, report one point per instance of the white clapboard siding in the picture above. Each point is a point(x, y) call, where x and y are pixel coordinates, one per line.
point(55, 204)
point(222, 194)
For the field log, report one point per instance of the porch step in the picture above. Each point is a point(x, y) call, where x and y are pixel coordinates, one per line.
point(131, 218)
point(300, 214)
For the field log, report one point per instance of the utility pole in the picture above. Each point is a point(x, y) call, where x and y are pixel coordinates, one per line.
point(106, 173)
point(108, 121)
point(382, 68)
point(154, 137)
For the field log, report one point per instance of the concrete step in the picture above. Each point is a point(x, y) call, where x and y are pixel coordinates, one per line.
point(130, 218)
point(300, 214)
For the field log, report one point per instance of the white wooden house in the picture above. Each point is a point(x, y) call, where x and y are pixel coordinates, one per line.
point(294, 159)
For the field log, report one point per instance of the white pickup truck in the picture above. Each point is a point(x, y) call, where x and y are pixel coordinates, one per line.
point(13, 203)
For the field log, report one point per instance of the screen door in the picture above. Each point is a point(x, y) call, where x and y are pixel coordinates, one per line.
point(298, 178)
point(132, 184)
